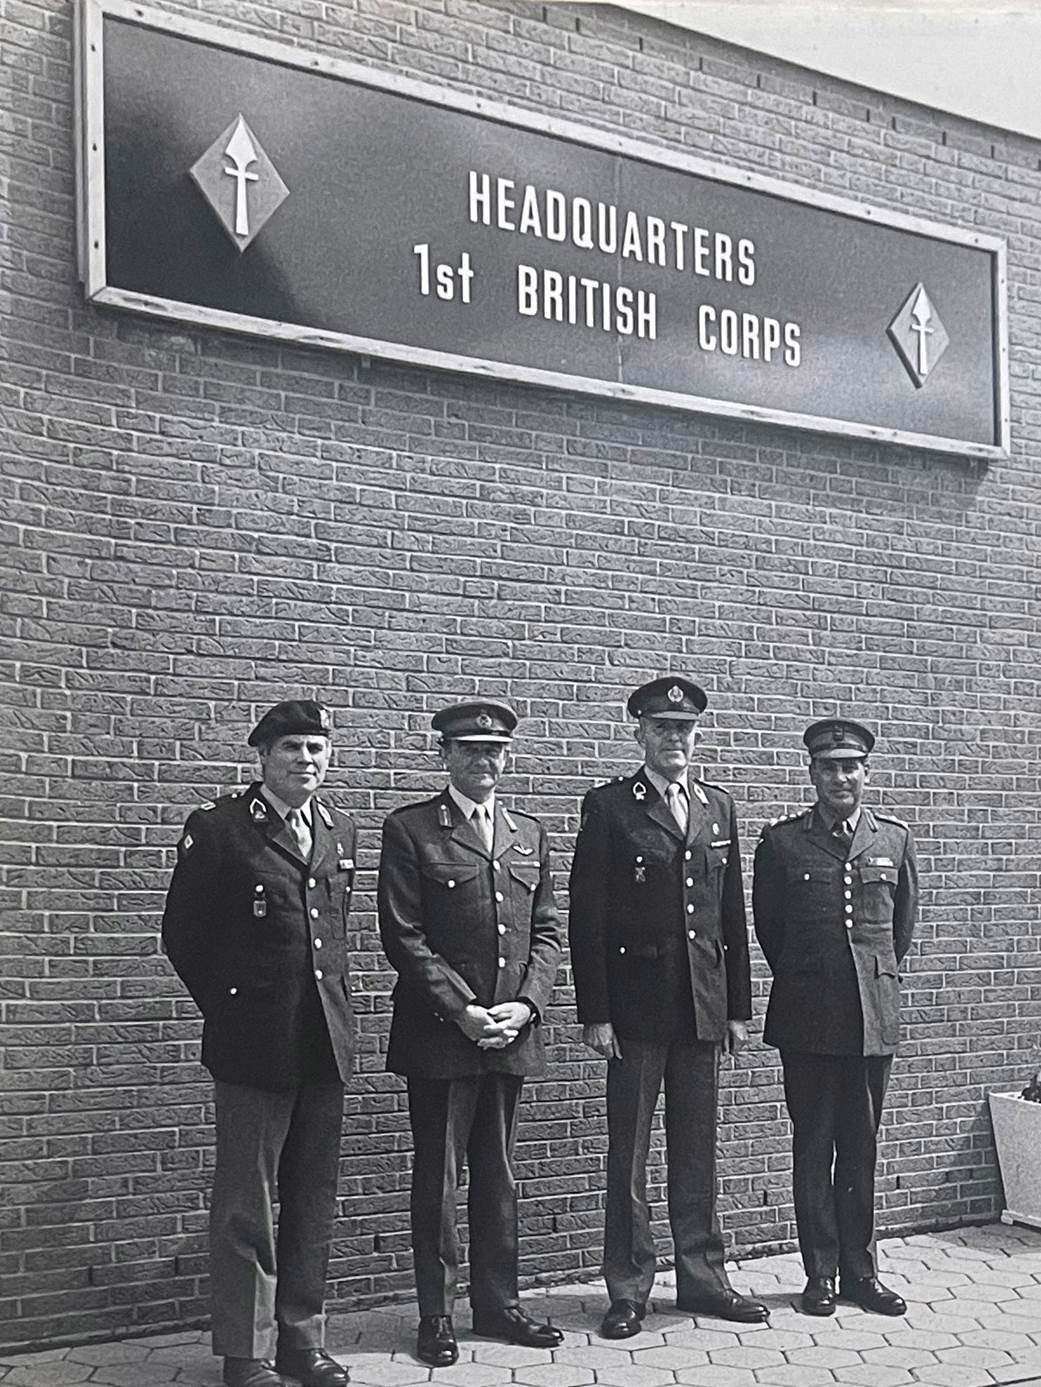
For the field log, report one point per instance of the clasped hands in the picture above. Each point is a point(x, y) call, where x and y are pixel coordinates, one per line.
point(494, 1028)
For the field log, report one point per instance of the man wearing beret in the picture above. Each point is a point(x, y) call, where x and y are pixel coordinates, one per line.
point(659, 951)
point(834, 894)
point(256, 926)
point(468, 920)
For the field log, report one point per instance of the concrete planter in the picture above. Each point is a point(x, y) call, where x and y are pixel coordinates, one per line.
point(1017, 1137)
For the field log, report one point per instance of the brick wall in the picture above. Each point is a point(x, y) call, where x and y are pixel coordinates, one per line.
point(195, 525)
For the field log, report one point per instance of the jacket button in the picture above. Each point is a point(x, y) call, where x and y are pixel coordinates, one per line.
point(451, 884)
point(318, 943)
point(690, 910)
point(318, 974)
point(715, 828)
point(233, 992)
point(690, 881)
point(849, 910)
point(848, 895)
point(621, 949)
point(692, 934)
point(805, 876)
point(687, 855)
point(314, 912)
point(502, 963)
point(496, 866)
point(849, 924)
point(499, 896)
point(884, 877)
point(311, 883)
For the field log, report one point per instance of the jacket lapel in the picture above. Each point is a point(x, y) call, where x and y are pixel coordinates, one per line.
point(460, 830)
point(506, 833)
point(864, 834)
point(655, 807)
point(322, 852)
point(823, 837)
point(697, 816)
point(266, 820)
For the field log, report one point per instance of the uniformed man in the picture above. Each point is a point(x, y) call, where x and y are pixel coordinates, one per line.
point(256, 926)
point(469, 922)
point(834, 896)
point(659, 952)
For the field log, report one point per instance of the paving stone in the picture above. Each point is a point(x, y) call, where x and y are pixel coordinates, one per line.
point(46, 1355)
point(202, 1375)
point(380, 1373)
point(823, 1356)
point(671, 1357)
point(893, 1357)
point(996, 1338)
point(53, 1374)
point(855, 1339)
point(550, 1375)
point(791, 1376)
point(951, 1375)
point(702, 1338)
point(974, 1357)
point(124, 1351)
point(717, 1375)
point(929, 1339)
point(639, 1375)
point(510, 1355)
point(470, 1374)
point(134, 1374)
point(875, 1375)
point(745, 1357)
point(182, 1354)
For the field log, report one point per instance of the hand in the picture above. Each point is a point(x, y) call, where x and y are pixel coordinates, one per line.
point(735, 1038)
point(603, 1040)
point(509, 1019)
point(475, 1022)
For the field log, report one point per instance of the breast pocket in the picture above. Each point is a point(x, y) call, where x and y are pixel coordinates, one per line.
point(524, 877)
point(878, 889)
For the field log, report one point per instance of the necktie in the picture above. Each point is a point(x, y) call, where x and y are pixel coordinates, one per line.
point(484, 825)
point(300, 831)
point(844, 830)
point(677, 802)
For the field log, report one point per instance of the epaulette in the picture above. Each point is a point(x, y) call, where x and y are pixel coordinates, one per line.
point(783, 819)
point(511, 813)
point(711, 785)
point(891, 819)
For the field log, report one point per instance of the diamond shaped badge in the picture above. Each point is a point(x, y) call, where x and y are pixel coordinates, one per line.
point(918, 335)
point(240, 183)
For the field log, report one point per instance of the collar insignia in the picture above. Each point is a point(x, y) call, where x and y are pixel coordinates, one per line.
point(639, 792)
point(257, 810)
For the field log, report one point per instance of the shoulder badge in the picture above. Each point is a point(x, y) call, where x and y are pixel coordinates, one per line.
point(509, 819)
point(208, 804)
point(327, 818)
point(699, 793)
point(444, 817)
point(891, 819)
point(187, 843)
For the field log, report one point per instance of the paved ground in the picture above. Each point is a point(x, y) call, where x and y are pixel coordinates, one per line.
point(974, 1319)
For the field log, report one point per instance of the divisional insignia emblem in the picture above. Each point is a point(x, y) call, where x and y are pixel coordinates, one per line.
point(240, 183)
point(675, 694)
point(918, 335)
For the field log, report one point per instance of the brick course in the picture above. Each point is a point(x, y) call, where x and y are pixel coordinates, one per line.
point(195, 525)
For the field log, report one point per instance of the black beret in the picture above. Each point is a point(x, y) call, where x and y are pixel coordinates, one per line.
point(672, 697)
point(294, 716)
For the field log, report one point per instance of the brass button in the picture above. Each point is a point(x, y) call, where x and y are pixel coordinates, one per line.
point(318, 943)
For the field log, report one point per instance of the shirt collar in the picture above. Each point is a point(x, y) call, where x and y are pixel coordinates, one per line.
point(281, 808)
point(661, 784)
point(832, 821)
point(468, 805)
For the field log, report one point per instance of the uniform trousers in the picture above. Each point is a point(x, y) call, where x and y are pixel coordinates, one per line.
point(835, 1104)
point(272, 1144)
point(473, 1120)
point(690, 1071)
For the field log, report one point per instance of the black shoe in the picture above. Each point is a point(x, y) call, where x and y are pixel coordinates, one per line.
point(251, 1372)
point(436, 1343)
point(819, 1296)
point(869, 1293)
point(623, 1319)
point(513, 1325)
point(725, 1304)
point(312, 1367)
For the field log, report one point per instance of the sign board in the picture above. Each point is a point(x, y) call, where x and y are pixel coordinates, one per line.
point(257, 187)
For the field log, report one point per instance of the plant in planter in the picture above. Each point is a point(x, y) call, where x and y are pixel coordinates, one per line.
point(1016, 1119)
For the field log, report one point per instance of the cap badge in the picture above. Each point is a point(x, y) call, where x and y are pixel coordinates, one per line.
point(838, 733)
point(323, 718)
point(675, 694)
point(484, 720)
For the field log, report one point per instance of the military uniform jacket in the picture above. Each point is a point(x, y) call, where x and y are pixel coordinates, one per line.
point(834, 920)
point(659, 943)
point(259, 938)
point(461, 924)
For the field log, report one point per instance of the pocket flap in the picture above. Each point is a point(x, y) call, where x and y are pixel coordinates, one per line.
point(450, 874)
